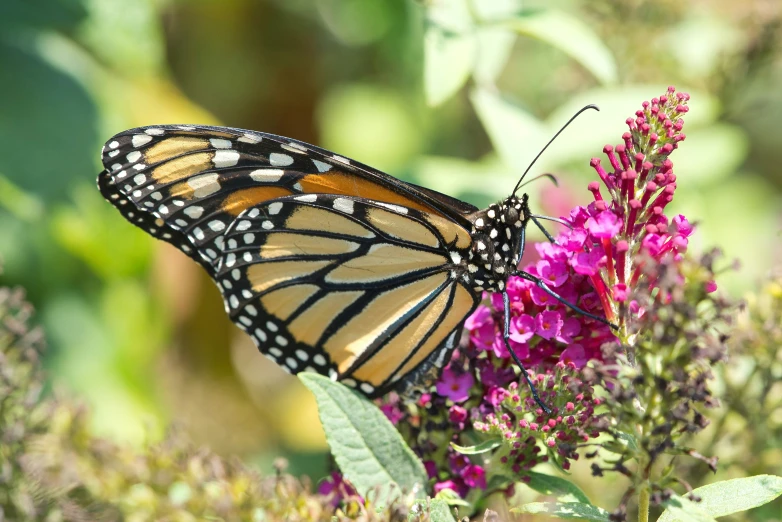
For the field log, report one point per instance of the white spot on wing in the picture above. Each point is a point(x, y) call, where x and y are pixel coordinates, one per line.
point(307, 198)
point(250, 138)
point(140, 140)
point(194, 211)
point(154, 132)
point(220, 143)
point(321, 166)
point(396, 208)
point(133, 156)
point(204, 185)
point(275, 207)
point(280, 160)
point(267, 175)
point(344, 205)
point(225, 158)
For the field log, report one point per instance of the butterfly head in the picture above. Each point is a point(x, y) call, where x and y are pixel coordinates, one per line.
point(497, 242)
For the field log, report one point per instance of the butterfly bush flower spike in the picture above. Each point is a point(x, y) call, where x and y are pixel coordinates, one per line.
point(627, 218)
point(599, 263)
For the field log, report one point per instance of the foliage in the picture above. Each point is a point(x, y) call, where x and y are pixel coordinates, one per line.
point(55, 468)
point(456, 95)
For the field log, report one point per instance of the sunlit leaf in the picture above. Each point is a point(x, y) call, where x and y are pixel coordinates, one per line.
point(366, 446)
point(448, 60)
point(516, 134)
point(49, 124)
point(430, 510)
point(572, 36)
point(483, 447)
point(494, 50)
point(732, 496)
point(685, 510)
point(573, 510)
point(561, 489)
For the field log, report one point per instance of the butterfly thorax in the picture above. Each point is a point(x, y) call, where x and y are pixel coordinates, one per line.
point(496, 241)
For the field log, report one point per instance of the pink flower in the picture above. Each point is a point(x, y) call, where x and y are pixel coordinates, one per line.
point(683, 226)
point(457, 415)
point(587, 263)
point(522, 328)
point(620, 292)
point(575, 354)
point(604, 225)
point(571, 327)
point(711, 286)
point(554, 273)
point(548, 324)
point(454, 485)
point(392, 412)
point(455, 386)
point(474, 476)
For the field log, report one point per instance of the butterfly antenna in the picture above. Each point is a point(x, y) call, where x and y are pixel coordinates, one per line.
point(548, 176)
point(552, 140)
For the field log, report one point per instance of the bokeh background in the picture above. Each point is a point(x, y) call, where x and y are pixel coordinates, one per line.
point(457, 96)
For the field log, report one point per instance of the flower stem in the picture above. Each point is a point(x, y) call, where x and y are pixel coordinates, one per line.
point(643, 505)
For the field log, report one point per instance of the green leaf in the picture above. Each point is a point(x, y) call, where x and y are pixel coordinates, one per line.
point(430, 510)
point(483, 447)
point(562, 489)
point(685, 510)
point(516, 134)
point(576, 510)
point(570, 35)
point(37, 99)
point(448, 60)
point(733, 496)
point(494, 49)
point(368, 449)
point(451, 498)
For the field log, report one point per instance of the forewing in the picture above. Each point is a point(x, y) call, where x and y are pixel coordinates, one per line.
point(186, 184)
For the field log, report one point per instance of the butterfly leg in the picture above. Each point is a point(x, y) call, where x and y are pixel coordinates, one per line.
point(543, 229)
point(543, 286)
point(505, 338)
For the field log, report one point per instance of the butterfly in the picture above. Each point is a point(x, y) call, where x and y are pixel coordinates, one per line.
point(329, 265)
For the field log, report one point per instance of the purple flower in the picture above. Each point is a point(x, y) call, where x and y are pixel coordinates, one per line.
point(457, 415)
point(454, 485)
point(711, 286)
point(522, 328)
point(683, 227)
point(604, 225)
point(392, 412)
point(495, 395)
point(548, 324)
point(474, 476)
point(554, 273)
point(336, 487)
point(575, 354)
point(587, 263)
point(619, 292)
point(455, 386)
point(571, 327)
point(431, 468)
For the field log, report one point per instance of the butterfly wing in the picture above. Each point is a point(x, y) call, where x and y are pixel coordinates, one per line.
point(189, 186)
point(351, 288)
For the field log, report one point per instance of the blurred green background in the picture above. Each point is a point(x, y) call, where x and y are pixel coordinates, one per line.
point(457, 96)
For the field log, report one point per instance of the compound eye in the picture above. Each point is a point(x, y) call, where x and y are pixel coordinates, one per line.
point(511, 215)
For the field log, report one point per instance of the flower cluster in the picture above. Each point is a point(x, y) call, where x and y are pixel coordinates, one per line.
point(599, 263)
point(640, 184)
point(661, 399)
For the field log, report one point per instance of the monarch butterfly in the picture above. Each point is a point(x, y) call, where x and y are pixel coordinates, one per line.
point(329, 265)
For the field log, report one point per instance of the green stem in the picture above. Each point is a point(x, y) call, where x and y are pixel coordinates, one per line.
point(643, 505)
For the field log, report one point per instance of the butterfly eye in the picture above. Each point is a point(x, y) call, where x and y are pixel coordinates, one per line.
point(511, 215)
